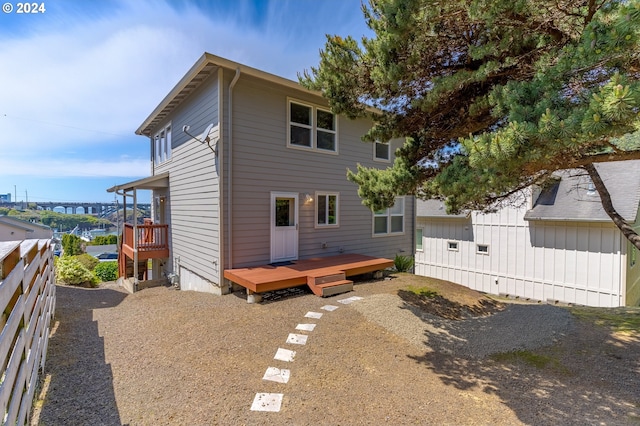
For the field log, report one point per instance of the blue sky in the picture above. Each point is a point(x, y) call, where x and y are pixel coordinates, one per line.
point(78, 79)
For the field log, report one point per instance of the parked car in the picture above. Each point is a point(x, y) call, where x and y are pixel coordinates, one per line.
point(107, 257)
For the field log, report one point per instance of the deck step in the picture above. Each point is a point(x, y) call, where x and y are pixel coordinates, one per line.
point(329, 284)
point(328, 278)
point(336, 287)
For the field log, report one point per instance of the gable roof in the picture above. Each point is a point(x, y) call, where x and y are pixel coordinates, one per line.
point(573, 197)
point(435, 208)
point(205, 66)
point(14, 225)
point(22, 224)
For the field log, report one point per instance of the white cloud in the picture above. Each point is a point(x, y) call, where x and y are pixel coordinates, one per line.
point(102, 76)
point(86, 82)
point(122, 168)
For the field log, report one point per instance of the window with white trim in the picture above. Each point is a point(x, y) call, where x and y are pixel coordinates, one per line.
point(312, 127)
point(419, 235)
point(452, 245)
point(326, 209)
point(381, 151)
point(162, 144)
point(389, 221)
point(482, 249)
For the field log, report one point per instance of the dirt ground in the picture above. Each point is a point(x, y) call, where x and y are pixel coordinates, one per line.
point(168, 357)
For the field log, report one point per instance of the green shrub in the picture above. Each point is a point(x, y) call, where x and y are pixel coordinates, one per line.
point(102, 240)
point(403, 263)
point(87, 261)
point(97, 241)
point(106, 271)
point(71, 245)
point(70, 271)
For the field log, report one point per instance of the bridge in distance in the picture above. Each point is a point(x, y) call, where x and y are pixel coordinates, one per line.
point(96, 209)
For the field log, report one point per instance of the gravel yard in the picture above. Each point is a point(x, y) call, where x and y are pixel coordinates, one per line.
point(166, 357)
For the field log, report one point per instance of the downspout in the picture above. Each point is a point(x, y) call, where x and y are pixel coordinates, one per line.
point(624, 269)
point(229, 172)
point(414, 241)
point(222, 237)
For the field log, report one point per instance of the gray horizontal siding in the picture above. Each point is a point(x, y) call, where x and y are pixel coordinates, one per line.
point(262, 163)
point(194, 186)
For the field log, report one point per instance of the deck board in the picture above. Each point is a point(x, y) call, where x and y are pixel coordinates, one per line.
point(268, 277)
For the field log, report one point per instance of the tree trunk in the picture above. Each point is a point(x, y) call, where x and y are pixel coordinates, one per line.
point(605, 197)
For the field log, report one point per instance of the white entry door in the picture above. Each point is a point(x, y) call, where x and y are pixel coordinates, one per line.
point(284, 226)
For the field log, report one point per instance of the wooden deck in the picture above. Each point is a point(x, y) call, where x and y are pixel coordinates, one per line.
point(259, 279)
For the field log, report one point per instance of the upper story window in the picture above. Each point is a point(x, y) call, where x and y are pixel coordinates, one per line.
point(326, 209)
point(312, 127)
point(389, 221)
point(381, 151)
point(162, 145)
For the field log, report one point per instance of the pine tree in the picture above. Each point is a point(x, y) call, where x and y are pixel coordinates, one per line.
point(492, 96)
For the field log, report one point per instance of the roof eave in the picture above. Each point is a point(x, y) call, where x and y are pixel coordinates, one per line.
point(443, 216)
point(149, 183)
point(566, 219)
point(203, 67)
point(16, 226)
point(184, 83)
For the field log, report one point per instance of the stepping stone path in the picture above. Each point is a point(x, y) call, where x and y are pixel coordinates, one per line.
point(273, 401)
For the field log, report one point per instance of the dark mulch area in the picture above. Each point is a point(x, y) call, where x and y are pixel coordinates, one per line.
point(440, 306)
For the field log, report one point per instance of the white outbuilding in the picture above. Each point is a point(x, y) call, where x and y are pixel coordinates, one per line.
point(560, 246)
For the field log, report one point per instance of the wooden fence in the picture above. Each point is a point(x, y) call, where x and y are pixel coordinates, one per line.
point(27, 305)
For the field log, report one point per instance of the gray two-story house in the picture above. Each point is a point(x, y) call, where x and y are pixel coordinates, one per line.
point(249, 169)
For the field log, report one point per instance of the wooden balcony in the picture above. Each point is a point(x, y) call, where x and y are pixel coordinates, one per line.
point(152, 241)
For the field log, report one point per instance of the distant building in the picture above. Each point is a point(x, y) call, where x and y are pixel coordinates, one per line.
point(5, 198)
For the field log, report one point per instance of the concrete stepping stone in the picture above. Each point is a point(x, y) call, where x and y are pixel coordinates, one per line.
point(285, 355)
point(278, 375)
point(350, 300)
point(305, 327)
point(329, 308)
point(297, 339)
point(267, 402)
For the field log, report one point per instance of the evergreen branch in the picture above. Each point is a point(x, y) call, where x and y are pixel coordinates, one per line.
point(607, 204)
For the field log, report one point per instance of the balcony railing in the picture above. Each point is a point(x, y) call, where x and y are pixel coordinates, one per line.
point(153, 241)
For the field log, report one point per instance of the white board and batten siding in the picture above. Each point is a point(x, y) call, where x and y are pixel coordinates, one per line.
point(571, 262)
point(193, 194)
point(263, 163)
